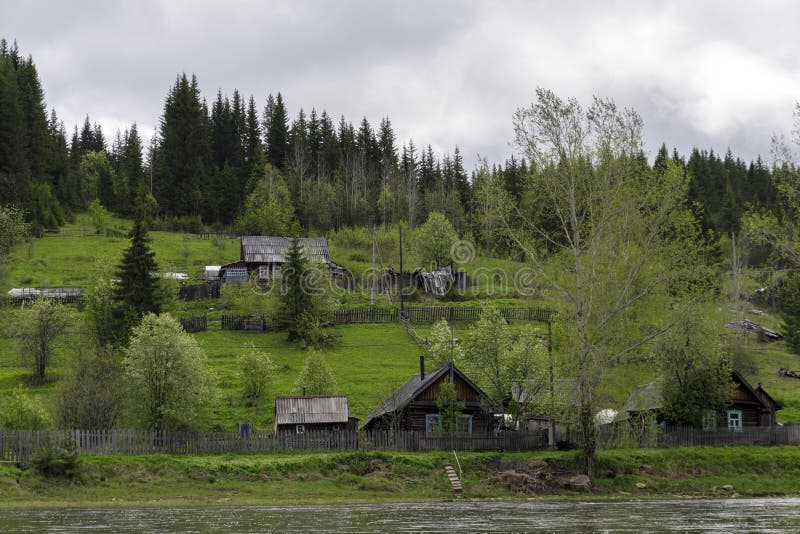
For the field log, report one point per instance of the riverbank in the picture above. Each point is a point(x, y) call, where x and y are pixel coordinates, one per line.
point(322, 478)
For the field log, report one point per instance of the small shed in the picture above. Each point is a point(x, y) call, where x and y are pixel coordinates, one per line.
point(412, 406)
point(297, 413)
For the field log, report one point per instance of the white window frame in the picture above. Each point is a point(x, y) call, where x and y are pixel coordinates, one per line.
point(433, 423)
point(300, 429)
point(464, 417)
point(735, 420)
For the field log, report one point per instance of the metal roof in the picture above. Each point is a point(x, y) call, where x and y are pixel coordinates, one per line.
point(299, 410)
point(272, 249)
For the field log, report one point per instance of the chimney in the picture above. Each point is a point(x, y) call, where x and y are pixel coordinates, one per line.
point(422, 368)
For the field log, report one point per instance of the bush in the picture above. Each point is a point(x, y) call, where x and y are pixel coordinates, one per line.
point(256, 369)
point(20, 412)
point(57, 460)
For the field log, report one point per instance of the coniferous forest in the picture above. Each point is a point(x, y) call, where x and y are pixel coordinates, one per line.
point(217, 158)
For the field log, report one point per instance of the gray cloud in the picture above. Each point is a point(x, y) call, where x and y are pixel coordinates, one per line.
point(451, 73)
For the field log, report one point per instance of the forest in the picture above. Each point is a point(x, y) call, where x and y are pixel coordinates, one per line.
point(218, 162)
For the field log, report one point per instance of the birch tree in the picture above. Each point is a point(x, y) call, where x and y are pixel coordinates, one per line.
point(621, 241)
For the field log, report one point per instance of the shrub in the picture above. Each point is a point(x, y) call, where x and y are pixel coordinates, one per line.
point(57, 460)
point(256, 370)
point(20, 412)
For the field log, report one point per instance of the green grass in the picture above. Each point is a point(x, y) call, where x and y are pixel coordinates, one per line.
point(310, 478)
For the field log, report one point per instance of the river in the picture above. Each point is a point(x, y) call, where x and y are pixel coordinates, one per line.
point(723, 515)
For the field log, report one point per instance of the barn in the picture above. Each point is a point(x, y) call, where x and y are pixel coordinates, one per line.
point(412, 406)
point(263, 257)
point(298, 414)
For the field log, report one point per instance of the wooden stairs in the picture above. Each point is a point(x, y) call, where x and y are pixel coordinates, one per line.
point(455, 482)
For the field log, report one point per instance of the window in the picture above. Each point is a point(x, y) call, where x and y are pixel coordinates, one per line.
point(263, 272)
point(433, 423)
point(735, 420)
point(709, 420)
point(464, 424)
point(300, 429)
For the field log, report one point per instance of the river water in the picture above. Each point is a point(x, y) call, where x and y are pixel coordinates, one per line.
point(724, 515)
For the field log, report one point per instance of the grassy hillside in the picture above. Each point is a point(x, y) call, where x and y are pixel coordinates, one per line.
point(369, 362)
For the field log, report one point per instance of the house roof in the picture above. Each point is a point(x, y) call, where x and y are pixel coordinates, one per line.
point(412, 388)
point(272, 249)
point(297, 410)
point(648, 396)
point(644, 398)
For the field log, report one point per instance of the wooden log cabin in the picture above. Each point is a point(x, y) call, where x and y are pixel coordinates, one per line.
point(412, 406)
point(749, 406)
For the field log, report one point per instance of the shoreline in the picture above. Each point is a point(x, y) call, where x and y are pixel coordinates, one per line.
point(294, 479)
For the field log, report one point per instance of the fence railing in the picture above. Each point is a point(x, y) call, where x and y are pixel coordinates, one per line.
point(19, 446)
point(194, 324)
point(678, 436)
point(419, 314)
point(199, 291)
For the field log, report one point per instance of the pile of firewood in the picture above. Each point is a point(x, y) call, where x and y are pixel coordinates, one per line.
point(749, 327)
point(788, 373)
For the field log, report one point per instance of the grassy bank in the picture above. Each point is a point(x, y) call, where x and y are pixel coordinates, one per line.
point(383, 477)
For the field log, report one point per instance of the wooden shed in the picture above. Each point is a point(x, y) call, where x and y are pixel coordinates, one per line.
point(296, 414)
point(412, 406)
point(264, 256)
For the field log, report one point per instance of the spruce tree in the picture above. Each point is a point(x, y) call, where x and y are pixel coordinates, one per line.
point(138, 291)
point(296, 300)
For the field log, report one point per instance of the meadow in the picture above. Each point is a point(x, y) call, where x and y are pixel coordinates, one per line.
point(369, 361)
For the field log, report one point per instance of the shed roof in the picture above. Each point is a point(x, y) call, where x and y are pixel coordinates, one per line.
point(273, 249)
point(413, 387)
point(295, 410)
point(644, 398)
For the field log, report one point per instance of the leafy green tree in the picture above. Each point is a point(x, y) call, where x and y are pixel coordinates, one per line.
point(316, 377)
point(13, 229)
point(449, 407)
point(37, 330)
point(434, 240)
point(441, 347)
point(488, 352)
point(97, 178)
point(695, 375)
point(100, 304)
point(268, 209)
point(257, 371)
point(169, 383)
point(100, 216)
point(92, 396)
point(20, 412)
point(620, 237)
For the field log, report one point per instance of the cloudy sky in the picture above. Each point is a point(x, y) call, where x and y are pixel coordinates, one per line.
point(721, 74)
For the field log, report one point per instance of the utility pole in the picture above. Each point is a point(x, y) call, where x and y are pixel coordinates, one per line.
point(400, 284)
point(374, 273)
point(552, 388)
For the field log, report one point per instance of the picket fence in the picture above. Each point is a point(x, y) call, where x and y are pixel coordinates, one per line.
point(18, 446)
point(678, 436)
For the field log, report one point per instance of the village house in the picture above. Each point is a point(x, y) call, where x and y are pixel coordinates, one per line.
point(749, 406)
point(264, 256)
point(299, 414)
point(413, 405)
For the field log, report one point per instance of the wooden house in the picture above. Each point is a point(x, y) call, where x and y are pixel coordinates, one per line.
point(263, 257)
point(412, 406)
point(749, 406)
point(298, 414)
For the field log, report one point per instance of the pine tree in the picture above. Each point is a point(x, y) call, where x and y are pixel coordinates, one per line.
point(138, 291)
point(296, 300)
point(277, 132)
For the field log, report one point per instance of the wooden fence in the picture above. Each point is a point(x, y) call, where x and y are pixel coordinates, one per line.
point(19, 446)
point(194, 324)
point(199, 291)
point(417, 314)
point(621, 437)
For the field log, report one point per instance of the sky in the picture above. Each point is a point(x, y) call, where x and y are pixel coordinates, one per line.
point(714, 74)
